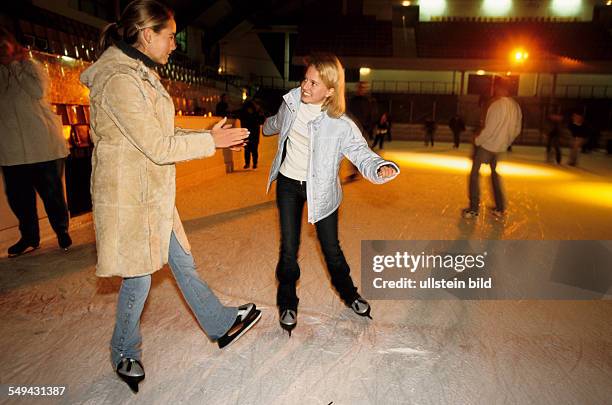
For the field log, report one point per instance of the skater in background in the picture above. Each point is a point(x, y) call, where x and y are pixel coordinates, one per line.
point(430, 129)
point(138, 229)
point(362, 110)
point(382, 130)
point(251, 118)
point(314, 136)
point(32, 148)
point(222, 108)
point(502, 125)
point(580, 133)
point(553, 143)
point(457, 126)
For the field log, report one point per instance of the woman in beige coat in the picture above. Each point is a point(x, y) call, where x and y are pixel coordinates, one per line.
point(137, 226)
point(32, 148)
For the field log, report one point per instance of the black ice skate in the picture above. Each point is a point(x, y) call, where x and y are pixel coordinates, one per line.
point(22, 247)
point(361, 307)
point(288, 319)
point(64, 241)
point(248, 315)
point(132, 372)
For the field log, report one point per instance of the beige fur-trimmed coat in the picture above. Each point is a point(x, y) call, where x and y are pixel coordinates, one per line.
point(133, 173)
point(29, 131)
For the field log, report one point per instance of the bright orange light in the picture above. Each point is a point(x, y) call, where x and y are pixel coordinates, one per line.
point(66, 130)
point(588, 193)
point(520, 55)
point(464, 164)
point(480, 72)
point(555, 181)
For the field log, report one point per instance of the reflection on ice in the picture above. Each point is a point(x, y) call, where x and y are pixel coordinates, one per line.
point(588, 193)
point(438, 161)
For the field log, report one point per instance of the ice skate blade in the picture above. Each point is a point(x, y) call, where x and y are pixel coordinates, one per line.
point(132, 382)
point(356, 308)
point(288, 319)
point(131, 372)
point(288, 328)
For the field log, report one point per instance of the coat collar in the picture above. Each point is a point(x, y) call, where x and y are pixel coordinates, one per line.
point(134, 53)
point(115, 60)
point(293, 99)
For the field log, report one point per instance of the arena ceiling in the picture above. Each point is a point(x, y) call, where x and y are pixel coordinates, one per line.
point(218, 17)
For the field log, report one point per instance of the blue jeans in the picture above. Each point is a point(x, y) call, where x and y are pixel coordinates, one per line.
point(481, 156)
point(214, 318)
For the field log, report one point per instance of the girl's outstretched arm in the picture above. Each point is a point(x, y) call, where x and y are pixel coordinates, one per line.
point(272, 125)
point(370, 165)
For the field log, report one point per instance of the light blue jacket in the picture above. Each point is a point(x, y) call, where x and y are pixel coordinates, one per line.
point(330, 140)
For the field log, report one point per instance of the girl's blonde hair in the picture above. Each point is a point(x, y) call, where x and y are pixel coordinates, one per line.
point(332, 74)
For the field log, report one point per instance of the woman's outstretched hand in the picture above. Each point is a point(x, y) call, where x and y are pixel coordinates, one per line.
point(227, 137)
point(386, 171)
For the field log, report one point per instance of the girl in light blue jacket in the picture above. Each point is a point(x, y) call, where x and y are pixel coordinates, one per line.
point(314, 136)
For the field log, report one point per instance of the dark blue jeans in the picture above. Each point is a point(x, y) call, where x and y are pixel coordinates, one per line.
point(481, 156)
point(290, 199)
point(22, 182)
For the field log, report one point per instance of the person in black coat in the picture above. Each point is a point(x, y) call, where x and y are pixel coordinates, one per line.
point(251, 117)
point(580, 133)
point(457, 126)
point(362, 110)
point(222, 108)
point(430, 130)
point(554, 138)
point(382, 129)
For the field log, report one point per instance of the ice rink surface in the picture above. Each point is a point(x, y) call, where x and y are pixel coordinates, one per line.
point(57, 317)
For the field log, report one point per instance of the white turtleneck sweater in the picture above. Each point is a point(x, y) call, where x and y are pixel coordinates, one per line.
point(295, 165)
